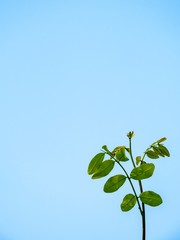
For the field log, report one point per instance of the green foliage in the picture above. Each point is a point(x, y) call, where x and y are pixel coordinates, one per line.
point(114, 183)
point(161, 140)
point(151, 198)
point(158, 151)
point(98, 168)
point(128, 202)
point(143, 171)
point(164, 150)
point(121, 155)
point(152, 154)
point(111, 154)
point(104, 169)
point(95, 163)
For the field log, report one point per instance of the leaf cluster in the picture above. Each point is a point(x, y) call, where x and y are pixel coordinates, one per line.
point(100, 167)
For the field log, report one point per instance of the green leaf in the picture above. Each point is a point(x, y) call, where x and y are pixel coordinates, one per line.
point(138, 160)
point(151, 198)
point(164, 150)
point(159, 141)
point(162, 140)
point(104, 147)
point(128, 202)
point(114, 183)
point(117, 149)
point(143, 171)
point(158, 151)
point(95, 163)
point(121, 155)
point(104, 169)
point(152, 154)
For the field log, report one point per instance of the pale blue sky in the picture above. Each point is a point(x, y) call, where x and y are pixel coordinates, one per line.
point(76, 75)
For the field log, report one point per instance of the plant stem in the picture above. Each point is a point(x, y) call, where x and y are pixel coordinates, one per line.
point(141, 211)
point(129, 179)
point(143, 214)
point(130, 153)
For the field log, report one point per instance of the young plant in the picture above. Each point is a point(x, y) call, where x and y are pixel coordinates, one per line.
point(98, 168)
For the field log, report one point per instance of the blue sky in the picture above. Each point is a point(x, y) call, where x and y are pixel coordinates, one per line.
point(76, 75)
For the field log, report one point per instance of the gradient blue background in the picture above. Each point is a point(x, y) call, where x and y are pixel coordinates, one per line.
point(76, 75)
